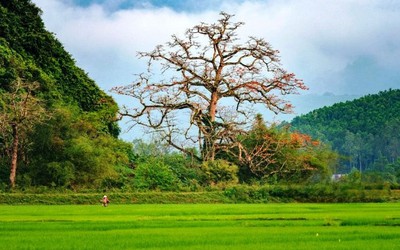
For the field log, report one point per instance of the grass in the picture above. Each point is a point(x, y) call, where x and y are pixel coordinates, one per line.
point(201, 226)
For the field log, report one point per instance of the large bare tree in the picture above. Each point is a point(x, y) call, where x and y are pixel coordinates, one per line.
point(214, 80)
point(20, 111)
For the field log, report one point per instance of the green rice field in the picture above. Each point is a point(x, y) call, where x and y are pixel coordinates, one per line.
point(201, 226)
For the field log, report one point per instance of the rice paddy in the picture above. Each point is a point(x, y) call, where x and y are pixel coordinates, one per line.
point(201, 226)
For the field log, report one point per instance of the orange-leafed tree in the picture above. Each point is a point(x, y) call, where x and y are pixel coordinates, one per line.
point(210, 82)
point(274, 153)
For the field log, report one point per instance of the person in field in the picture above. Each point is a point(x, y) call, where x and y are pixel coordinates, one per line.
point(104, 201)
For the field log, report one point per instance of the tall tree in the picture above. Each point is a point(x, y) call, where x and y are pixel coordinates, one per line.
point(20, 112)
point(208, 69)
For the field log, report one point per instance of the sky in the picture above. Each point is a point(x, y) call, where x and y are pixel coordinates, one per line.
point(342, 49)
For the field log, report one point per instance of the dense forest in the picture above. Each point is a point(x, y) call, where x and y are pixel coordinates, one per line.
point(364, 131)
point(73, 139)
point(59, 130)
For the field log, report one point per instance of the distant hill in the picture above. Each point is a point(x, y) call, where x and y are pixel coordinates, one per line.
point(366, 130)
point(305, 103)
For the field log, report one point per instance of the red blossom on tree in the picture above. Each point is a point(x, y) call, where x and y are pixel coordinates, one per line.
point(204, 79)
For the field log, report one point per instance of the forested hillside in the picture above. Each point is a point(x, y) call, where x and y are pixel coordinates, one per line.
point(365, 131)
point(57, 127)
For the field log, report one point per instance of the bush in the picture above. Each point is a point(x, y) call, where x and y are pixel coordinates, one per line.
point(60, 172)
point(187, 170)
point(155, 175)
point(248, 194)
point(220, 172)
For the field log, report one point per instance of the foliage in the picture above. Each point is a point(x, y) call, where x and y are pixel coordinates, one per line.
point(51, 196)
point(77, 147)
point(155, 175)
point(364, 131)
point(322, 193)
point(273, 154)
point(186, 169)
point(75, 143)
point(328, 192)
point(23, 30)
point(220, 172)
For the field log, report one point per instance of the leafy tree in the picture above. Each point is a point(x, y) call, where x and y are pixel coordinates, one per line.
point(354, 177)
point(204, 77)
point(75, 152)
point(275, 153)
point(142, 151)
point(19, 113)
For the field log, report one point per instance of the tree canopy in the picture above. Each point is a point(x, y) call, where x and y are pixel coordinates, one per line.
point(214, 80)
point(364, 130)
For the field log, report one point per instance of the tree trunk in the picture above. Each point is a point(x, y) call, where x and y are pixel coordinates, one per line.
point(213, 106)
point(14, 155)
point(209, 139)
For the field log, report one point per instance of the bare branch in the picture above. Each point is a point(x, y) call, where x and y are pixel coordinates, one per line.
point(198, 76)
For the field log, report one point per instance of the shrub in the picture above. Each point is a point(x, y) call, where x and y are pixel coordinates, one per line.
point(187, 170)
point(155, 175)
point(248, 194)
point(220, 172)
point(60, 172)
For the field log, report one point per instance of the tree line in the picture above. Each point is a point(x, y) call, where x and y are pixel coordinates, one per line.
point(59, 130)
point(363, 131)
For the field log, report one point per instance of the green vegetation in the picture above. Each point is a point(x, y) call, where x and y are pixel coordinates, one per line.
point(363, 131)
point(76, 146)
point(59, 132)
point(274, 155)
point(232, 194)
point(201, 226)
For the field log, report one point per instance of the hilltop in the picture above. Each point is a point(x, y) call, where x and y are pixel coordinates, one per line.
point(364, 130)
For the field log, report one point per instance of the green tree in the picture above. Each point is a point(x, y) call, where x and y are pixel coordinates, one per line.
point(81, 112)
point(187, 169)
point(75, 152)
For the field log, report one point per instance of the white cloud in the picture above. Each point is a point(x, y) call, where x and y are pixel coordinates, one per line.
point(319, 38)
point(339, 46)
point(105, 44)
